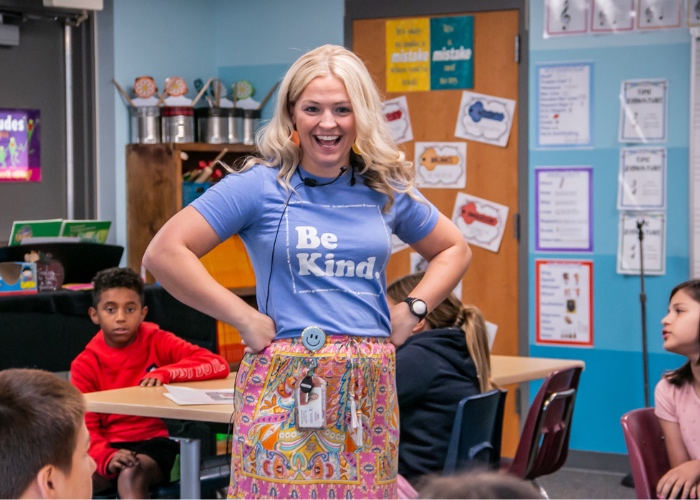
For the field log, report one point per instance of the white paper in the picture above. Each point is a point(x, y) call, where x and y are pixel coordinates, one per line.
point(395, 112)
point(642, 179)
point(564, 104)
point(692, 15)
point(485, 118)
point(441, 164)
point(643, 110)
point(491, 329)
point(612, 16)
point(656, 14)
point(563, 310)
point(628, 254)
point(563, 209)
point(480, 221)
point(565, 17)
point(396, 244)
point(189, 396)
point(418, 263)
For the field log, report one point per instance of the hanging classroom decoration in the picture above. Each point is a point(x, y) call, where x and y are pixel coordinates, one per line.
point(642, 179)
point(485, 118)
point(20, 151)
point(481, 222)
point(643, 111)
point(441, 164)
point(395, 112)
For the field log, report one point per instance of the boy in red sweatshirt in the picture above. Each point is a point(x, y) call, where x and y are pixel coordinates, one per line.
point(133, 453)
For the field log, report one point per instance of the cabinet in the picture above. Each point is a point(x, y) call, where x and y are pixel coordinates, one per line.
point(154, 194)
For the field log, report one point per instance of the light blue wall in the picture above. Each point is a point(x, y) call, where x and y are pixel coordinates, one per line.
point(612, 383)
point(257, 41)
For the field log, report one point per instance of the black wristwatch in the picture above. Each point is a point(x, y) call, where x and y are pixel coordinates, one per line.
point(417, 307)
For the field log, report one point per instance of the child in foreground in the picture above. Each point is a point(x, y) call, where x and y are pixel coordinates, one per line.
point(133, 453)
point(677, 394)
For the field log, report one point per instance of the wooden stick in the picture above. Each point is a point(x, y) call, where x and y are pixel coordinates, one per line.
point(162, 97)
point(217, 92)
point(121, 91)
point(201, 92)
point(219, 156)
point(269, 94)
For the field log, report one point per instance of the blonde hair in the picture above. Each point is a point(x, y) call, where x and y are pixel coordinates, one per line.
point(450, 313)
point(379, 160)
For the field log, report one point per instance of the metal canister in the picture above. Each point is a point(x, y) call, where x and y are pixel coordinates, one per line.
point(212, 125)
point(235, 125)
point(177, 123)
point(251, 121)
point(145, 124)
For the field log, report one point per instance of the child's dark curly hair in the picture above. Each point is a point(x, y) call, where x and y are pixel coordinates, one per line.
point(116, 277)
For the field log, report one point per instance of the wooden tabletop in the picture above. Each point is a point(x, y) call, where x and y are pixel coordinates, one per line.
point(150, 402)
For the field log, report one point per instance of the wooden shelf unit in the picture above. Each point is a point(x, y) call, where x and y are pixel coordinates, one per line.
point(154, 189)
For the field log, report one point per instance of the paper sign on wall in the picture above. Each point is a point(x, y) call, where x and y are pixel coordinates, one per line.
point(20, 149)
point(658, 14)
point(612, 16)
point(642, 179)
point(643, 111)
point(563, 302)
point(480, 221)
point(441, 164)
point(485, 118)
point(565, 17)
point(396, 114)
point(653, 226)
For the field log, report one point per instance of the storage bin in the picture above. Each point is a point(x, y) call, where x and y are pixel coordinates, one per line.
point(193, 190)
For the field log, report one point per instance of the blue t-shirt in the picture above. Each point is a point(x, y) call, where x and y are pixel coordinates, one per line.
point(332, 246)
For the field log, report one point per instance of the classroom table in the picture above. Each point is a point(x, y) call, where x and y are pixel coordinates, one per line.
point(150, 402)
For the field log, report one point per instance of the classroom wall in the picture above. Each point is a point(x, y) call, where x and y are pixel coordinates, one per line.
point(258, 40)
point(612, 383)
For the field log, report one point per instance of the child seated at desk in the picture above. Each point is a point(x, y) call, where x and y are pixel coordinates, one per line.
point(133, 453)
point(446, 360)
point(43, 439)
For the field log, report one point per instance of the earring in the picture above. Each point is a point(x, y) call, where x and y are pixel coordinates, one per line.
point(356, 149)
point(294, 138)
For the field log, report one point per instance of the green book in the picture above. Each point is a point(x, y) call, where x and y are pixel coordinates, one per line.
point(94, 231)
point(34, 229)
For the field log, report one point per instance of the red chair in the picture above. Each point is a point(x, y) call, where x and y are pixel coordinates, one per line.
point(646, 449)
point(544, 441)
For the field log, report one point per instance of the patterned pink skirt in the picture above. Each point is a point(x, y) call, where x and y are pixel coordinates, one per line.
point(272, 458)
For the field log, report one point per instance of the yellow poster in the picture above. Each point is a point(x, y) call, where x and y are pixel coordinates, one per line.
point(408, 54)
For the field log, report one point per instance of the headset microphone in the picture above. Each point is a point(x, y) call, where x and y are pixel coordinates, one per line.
point(314, 183)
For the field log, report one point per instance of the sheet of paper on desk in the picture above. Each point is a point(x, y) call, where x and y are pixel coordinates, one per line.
point(189, 396)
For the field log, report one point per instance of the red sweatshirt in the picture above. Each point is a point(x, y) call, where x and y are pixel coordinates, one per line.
point(153, 354)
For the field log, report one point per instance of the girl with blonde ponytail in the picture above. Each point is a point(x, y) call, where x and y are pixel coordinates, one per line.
point(445, 360)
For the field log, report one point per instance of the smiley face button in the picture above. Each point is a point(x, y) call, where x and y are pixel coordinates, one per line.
point(313, 338)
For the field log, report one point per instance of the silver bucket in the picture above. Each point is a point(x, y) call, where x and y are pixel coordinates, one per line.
point(145, 124)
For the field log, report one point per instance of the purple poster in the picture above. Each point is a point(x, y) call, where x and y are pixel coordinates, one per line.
point(20, 153)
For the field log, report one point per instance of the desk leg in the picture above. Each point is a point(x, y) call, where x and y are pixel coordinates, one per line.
point(189, 468)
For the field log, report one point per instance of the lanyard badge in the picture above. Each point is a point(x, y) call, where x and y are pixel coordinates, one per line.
point(310, 397)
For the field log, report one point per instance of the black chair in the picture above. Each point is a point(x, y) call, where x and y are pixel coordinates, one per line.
point(475, 441)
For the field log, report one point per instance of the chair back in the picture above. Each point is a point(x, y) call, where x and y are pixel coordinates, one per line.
point(476, 433)
point(544, 441)
point(646, 449)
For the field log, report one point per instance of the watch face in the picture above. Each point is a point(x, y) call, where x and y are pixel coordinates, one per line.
point(419, 307)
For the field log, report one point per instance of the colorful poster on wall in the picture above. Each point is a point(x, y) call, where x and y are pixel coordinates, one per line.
point(629, 257)
point(659, 14)
point(563, 302)
point(441, 164)
point(425, 53)
point(642, 179)
point(485, 118)
point(612, 16)
point(565, 17)
point(481, 222)
point(643, 110)
point(451, 49)
point(564, 102)
point(408, 54)
point(563, 209)
point(396, 114)
point(20, 152)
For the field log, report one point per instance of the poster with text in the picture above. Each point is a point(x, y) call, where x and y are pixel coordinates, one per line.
point(452, 50)
point(441, 164)
point(643, 110)
point(485, 118)
point(642, 179)
point(564, 302)
point(563, 209)
point(396, 114)
point(612, 16)
point(564, 102)
point(20, 148)
point(565, 17)
point(480, 221)
point(653, 250)
point(660, 14)
point(408, 54)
